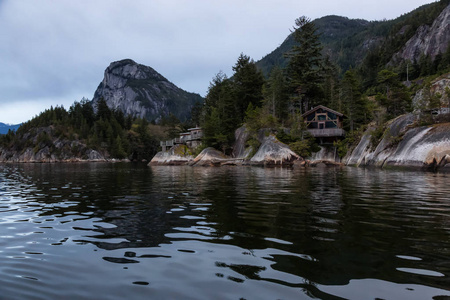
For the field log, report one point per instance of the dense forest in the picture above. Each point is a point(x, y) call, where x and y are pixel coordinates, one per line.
point(373, 90)
point(107, 131)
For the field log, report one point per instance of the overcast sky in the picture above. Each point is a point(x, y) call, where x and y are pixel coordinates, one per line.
point(54, 52)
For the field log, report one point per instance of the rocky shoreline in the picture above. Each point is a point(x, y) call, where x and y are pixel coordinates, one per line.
point(403, 145)
point(271, 153)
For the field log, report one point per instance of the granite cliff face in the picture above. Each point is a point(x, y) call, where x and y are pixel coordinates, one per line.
point(428, 40)
point(140, 91)
point(426, 147)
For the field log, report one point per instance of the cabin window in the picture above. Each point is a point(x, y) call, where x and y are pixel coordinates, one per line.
point(330, 124)
point(332, 116)
point(321, 117)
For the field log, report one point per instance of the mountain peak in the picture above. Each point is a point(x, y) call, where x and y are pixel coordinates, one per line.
point(140, 91)
point(128, 68)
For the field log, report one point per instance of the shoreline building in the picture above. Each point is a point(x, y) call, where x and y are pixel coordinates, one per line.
point(324, 124)
point(192, 139)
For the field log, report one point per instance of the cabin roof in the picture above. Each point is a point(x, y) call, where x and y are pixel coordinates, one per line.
point(323, 107)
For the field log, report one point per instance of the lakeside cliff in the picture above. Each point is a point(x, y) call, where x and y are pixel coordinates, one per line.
point(404, 145)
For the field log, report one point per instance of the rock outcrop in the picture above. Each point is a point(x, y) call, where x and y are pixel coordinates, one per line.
point(45, 154)
point(438, 86)
point(325, 154)
point(273, 152)
point(211, 157)
point(428, 40)
point(426, 147)
point(140, 91)
point(177, 155)
point(240, 150)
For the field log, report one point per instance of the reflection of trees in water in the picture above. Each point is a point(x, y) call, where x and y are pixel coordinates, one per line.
point(351, 222)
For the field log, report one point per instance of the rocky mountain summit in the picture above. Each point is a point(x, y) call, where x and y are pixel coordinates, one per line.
point(140, 91)
point(428, 40)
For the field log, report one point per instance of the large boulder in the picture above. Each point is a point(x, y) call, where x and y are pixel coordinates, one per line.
point(274, 153)
point(177, 155)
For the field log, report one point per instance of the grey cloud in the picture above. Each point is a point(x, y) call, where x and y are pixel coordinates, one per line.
point(57, 49)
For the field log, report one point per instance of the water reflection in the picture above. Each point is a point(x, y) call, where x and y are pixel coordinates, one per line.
point(226, 232)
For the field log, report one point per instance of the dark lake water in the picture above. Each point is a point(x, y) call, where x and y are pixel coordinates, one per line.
point(128, 231)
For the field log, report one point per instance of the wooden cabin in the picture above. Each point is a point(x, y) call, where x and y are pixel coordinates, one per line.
point(192, 138)
point(195, 137)
point(324, 123)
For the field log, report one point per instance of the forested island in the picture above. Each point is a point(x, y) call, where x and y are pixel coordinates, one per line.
point(389, 81)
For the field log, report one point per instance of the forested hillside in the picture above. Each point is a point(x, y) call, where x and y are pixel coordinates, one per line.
point(343, 64)
point(59, 135)
point(353, 43)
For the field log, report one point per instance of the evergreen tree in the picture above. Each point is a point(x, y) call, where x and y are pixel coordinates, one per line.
point(220, 119)
point(355, 104)
point(331, 86)
point(214, 94)
point(393, 95)
point(305, 65)
point(247, 85)
point(103, 111)
point(276, 94)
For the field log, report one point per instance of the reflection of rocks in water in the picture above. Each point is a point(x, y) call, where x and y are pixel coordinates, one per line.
point(139, 224)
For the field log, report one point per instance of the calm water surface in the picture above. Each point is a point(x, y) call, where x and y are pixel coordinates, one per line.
point(115, 231)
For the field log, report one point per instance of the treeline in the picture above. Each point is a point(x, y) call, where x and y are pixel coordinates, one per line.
point(108, 131)
point(309, 79)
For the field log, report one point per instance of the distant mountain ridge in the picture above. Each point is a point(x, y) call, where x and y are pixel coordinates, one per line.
point(140, 91)
point(5, 127)
point(347, 42)
point(333, 30)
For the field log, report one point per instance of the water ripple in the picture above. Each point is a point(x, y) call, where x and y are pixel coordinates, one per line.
point(117, 231)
